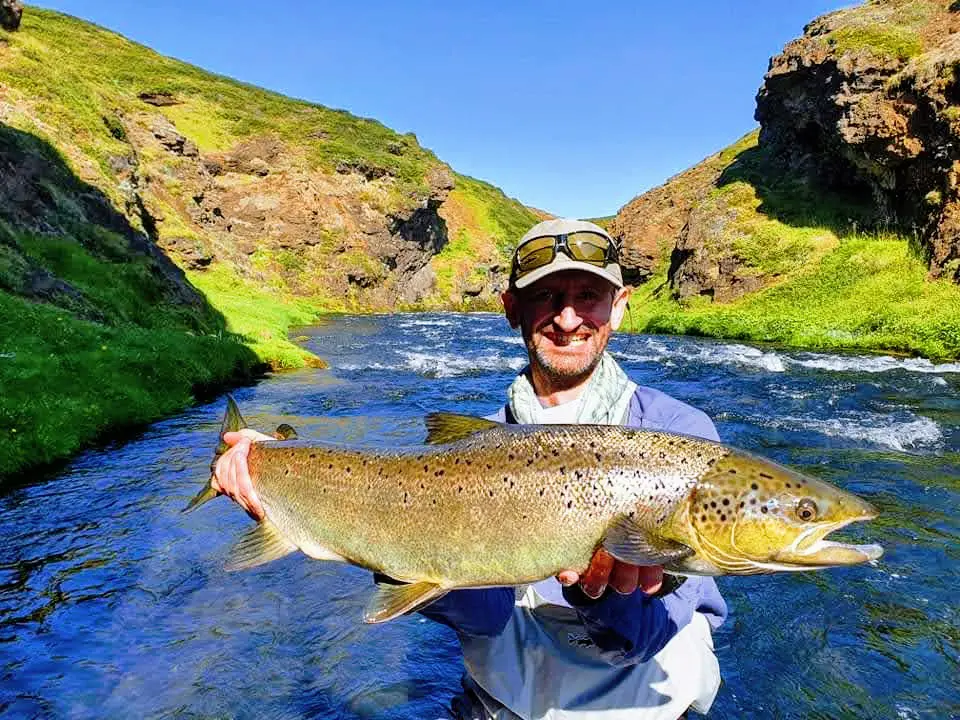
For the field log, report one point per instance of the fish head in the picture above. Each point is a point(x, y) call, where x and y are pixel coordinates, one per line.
point(750, 515)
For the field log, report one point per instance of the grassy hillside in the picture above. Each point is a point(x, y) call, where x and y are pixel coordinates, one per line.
point(832, 284)
point(109, 151)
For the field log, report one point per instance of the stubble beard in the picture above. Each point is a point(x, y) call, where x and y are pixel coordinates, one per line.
point(568, 374)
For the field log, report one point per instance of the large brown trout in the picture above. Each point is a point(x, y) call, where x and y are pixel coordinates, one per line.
point(486, 504)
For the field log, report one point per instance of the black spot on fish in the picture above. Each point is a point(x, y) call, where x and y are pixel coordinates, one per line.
point(569, 504)
point(438, 473)
point(741, 504)
point(422, 486)
point(347, 469)
point(512, 484)
point(491, 493)
point(489, 466)
point(726, 501)
point(663, 455)
point(459, 488)
point(711, 461)
point(763, 509)
point(426, 468)
point(754, 486)
point(434, 501)
point(313, 456)
point(510, 456)
point(468, 463)
point(703, 518)
point(330, 466)
point(765, 476)
point(598, 456)
point(670, 443)
point(505, 479)
point(542, 491)
point(753, 501)
point(723, 518)
point(563, 469)
point(456, 461)
point(732, 471)
point(631, 514)
point(405, 496)
point(593, 445)
point(786, 485)
point(555, 452)
point(713, 503)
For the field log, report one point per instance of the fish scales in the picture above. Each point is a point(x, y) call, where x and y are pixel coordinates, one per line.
point(490, 504)
point(495, 508)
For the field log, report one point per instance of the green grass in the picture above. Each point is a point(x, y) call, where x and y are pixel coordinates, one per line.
point(893, 41)
point(262, 319)
point(66, 380)
point(505, 220)
point(869, 293)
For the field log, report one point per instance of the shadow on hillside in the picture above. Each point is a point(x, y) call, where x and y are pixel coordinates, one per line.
point(797, 196)
point(132, 281)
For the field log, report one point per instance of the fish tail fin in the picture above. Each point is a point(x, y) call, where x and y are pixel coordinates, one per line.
point(232, 421)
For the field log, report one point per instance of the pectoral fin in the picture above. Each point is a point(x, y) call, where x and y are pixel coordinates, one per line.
point(261, 545)
point(391, 601)
point(449, 427)
point(630, 543)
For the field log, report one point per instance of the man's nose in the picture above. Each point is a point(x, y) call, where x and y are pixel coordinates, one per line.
point(567, 318)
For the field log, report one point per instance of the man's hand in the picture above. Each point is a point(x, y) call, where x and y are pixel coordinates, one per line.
point(230, 475)
point(624, 578)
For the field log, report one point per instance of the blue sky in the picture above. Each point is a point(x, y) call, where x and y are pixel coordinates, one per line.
point(571, 107)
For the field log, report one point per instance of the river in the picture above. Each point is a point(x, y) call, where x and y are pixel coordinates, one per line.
point(114, 604)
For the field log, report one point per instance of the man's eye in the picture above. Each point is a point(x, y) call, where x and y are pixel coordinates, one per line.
point(542, 296)
point(589, 296)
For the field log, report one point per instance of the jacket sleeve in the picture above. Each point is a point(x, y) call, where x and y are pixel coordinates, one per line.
point(475, 613)
point(633, 628)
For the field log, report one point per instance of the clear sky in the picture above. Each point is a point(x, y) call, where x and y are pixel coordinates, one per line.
point(571, 107)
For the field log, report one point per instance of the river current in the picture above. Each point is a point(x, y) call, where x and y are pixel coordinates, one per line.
point(114, 604)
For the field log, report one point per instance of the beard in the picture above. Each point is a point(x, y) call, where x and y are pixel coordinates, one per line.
point(564, 371)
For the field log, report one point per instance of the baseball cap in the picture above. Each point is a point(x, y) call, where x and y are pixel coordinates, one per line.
point(565, 228)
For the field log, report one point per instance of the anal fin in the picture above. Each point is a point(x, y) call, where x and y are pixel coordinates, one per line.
point(391, 601)
point(261, 545)
point(630, 543)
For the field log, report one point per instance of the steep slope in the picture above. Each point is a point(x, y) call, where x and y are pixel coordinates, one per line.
point(832, 226)
point(161, 228)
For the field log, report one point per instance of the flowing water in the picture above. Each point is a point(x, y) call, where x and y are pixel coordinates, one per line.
point(114, 604)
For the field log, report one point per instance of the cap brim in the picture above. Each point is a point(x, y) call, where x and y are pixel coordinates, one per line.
point(561, 263)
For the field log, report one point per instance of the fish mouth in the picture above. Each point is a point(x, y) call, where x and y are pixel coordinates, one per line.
point(812, 551)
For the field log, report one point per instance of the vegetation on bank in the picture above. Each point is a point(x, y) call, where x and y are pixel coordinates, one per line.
point(829, 282)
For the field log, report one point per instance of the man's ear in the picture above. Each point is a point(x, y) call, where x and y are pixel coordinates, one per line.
point(620, 300)
point(511, 308)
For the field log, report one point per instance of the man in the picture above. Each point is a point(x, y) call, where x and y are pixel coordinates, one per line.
point(604, 644)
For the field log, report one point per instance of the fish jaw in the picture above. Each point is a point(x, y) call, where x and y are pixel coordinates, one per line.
point(812, 551)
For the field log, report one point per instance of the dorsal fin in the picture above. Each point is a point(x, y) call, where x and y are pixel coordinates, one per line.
point(445, 427)
point(285, 432)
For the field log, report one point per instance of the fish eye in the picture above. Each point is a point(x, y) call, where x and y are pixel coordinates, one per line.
point(807, 510)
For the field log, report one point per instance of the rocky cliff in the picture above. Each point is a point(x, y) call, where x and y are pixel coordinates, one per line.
point(859, 130)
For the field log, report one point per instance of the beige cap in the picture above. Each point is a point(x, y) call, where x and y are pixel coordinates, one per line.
point(562, 261)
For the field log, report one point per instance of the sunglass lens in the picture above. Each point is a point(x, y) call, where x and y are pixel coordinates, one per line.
point(534, 254)
point(588, 248)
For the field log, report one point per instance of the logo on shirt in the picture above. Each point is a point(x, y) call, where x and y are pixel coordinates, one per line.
point(581, 640)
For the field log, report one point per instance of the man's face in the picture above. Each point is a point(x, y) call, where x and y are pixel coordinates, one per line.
point(566, 319)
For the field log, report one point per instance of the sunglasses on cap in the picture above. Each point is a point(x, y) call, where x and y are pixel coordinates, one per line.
point(587, 247)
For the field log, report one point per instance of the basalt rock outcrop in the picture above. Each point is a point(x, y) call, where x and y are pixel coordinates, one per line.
point(11, 12)
point(859, 129)
point(868, 101)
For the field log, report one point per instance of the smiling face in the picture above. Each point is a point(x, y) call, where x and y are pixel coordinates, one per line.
point(566, 319)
